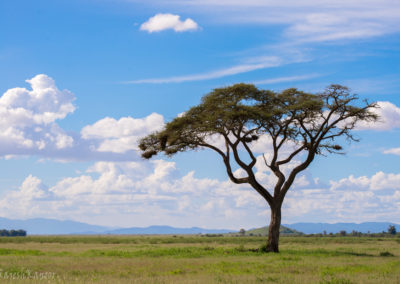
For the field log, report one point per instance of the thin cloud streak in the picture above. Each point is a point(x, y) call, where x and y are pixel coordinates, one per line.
point(239, 69)
point(286, 79)
point(393, 151)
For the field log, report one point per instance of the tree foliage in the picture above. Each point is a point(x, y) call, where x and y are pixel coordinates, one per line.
point(12, 233)
point(392, 230)
point(241, 114)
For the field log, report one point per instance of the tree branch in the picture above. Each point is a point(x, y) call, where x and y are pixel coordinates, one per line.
point(226, 161)
point(288, 159)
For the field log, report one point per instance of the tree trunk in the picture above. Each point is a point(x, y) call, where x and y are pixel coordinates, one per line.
point(273, 230)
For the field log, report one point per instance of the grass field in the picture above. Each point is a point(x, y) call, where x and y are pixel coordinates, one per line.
point(196, 259)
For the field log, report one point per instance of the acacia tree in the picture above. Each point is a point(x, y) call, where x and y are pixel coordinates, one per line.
point(241, 113)
point(392, 230)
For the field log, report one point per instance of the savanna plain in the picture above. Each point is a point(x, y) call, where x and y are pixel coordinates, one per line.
point(198, 259)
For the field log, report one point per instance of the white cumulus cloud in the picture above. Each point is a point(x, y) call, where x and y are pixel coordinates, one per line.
point(379, 181)
point(44, 104)
point(121, 135)
point(28, 126)
point(28, 117)
point(389, 118)
point(161, 22)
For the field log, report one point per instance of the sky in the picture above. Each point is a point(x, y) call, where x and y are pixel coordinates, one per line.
point(82, 80)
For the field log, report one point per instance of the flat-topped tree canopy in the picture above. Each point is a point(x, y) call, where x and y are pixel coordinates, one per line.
point(241, 113)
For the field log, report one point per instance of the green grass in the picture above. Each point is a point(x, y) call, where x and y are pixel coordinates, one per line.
point(197, 259)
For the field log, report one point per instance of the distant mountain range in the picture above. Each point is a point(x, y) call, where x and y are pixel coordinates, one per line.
point(315, 228)
point(41, 226)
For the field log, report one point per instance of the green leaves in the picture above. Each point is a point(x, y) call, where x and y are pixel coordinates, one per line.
point(244, 112)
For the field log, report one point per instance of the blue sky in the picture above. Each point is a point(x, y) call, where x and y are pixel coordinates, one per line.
point(105, 73)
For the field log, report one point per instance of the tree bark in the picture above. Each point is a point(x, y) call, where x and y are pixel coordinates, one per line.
point(273, 230)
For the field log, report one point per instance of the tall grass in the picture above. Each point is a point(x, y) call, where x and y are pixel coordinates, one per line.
point(197, 259)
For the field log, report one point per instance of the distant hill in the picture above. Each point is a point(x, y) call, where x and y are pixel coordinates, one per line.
point(316, 228)
point(263, 231)
point(41, 226)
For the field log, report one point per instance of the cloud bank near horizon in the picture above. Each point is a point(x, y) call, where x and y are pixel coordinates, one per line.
point(123, 194)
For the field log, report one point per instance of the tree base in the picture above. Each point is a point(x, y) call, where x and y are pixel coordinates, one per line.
point(267, 249)
point(270, 248)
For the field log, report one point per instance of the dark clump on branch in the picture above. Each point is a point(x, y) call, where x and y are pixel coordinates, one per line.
point(149, 154)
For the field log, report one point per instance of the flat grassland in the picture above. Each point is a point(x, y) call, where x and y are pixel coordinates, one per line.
point(198, 259)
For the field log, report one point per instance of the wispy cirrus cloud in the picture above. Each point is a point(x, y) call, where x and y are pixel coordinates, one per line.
point(269, 62)
point(392, 151)
point(305, 21)
point(299, 23)
point(286, 79)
